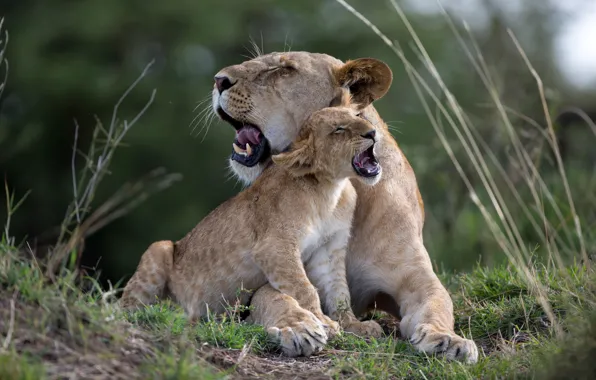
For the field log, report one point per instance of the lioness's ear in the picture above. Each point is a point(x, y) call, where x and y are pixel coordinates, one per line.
point(367, 78)
point(299, 159)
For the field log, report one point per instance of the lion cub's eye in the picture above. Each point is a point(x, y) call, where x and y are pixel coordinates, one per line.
point(339, 129)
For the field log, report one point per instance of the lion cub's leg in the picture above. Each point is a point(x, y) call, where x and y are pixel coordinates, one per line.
point(297, 330)
point(327, 271)
point(281, 262)
point(149, 281)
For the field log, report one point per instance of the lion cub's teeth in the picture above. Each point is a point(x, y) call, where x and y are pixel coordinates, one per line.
point(239, 150)
point(248, 150)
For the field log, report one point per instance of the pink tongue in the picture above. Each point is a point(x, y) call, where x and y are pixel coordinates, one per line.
point(362, 160)
point(248, 134)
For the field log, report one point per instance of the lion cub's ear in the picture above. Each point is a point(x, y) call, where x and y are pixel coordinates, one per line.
point(367, 78)
point(299, 159)
point(341, 98)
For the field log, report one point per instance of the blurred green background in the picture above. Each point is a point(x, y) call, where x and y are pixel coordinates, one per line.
point(71, 60)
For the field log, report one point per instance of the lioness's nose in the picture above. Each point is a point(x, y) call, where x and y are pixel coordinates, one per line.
point(370, 134)
point(223, 83)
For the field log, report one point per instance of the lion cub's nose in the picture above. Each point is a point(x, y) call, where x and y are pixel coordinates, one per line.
point(223, 83)
point(370, 134)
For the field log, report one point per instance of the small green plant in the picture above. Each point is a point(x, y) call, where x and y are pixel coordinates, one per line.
point(18, 367)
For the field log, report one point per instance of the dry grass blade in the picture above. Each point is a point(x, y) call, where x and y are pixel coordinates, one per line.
point(556, 151)
point(504, 228)
point(77, 223)
point(523, 160)
point(10, 326)
point(582, 115)
point(129, 196)
point(3, 45)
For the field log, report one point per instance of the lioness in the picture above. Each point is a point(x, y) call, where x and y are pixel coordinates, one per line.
point(387, 264)
point(291, 226)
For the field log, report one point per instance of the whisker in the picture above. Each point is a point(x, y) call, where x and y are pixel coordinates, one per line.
point(262, 48)
point(210, 119)
point(199, 104)
point(393, 128)
point(206, 116)
point(256, 52)
point(202, 101)
point(199, 118)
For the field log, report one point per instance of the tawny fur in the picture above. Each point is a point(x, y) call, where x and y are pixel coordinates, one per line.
point(289, 229)
point(387, 263)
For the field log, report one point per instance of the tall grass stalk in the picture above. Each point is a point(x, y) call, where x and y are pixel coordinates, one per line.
point(3, 60)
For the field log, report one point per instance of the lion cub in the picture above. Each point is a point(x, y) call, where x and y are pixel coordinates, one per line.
point(289, 228)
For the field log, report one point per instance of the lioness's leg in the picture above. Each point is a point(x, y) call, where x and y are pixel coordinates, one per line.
point(148, 283)
point(281, 263)
point(424, 304)
point(327, 271)
point(297, 330)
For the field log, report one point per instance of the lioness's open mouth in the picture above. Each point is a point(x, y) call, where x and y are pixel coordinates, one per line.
point(250, 145)
point(365, 163)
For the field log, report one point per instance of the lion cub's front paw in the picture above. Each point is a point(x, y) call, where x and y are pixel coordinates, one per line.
point(302, 334)
point(332, 328)
point(364, 329)
point(427, 339)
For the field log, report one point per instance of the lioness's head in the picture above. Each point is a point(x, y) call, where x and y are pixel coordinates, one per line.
point(334, 143)
point(268, 99)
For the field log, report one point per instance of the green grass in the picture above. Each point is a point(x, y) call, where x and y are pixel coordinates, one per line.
point(19, 367)
point(54, 329)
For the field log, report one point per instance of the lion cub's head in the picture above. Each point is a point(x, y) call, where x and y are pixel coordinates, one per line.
point(335, 143)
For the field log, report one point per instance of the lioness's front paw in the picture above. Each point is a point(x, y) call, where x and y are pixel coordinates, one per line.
point(303, 334)
point(364, 329)
point(427, 339)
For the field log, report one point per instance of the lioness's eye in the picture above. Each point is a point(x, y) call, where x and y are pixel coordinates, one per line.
point(339, 130)
point(280, 70)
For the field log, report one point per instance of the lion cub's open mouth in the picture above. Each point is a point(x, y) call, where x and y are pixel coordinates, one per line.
point(250, 145)
point(365, 163)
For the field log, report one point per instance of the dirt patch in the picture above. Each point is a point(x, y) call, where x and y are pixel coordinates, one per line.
point(269, 366)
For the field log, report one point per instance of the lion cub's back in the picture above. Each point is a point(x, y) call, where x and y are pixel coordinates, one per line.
point(213, 260)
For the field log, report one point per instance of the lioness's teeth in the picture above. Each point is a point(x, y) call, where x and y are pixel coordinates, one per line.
point(248, 150)
point(239, 150)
